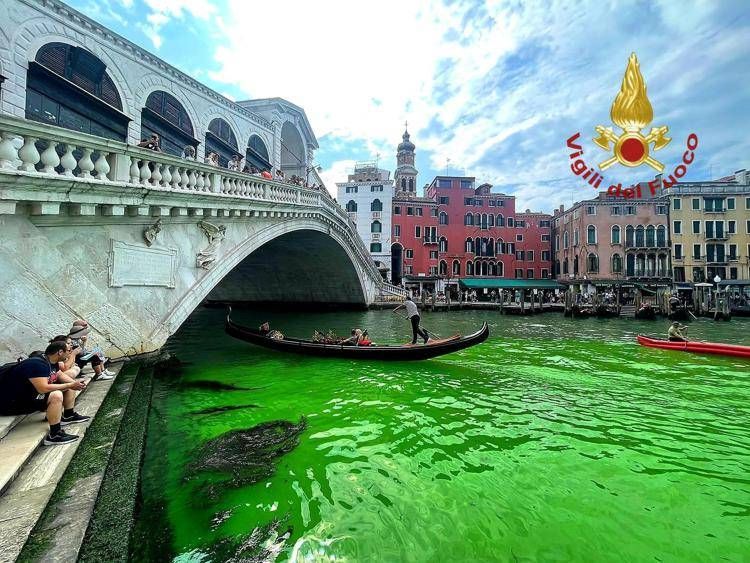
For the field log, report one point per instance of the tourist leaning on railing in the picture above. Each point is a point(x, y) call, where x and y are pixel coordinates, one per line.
point(152, 143)
point(37, 384)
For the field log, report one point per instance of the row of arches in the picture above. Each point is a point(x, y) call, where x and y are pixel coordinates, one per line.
point(636, 265)
point(483, 220)
point(638, 237)
point(69, 87)
point(475, 268)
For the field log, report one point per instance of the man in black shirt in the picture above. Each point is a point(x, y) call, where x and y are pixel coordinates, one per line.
point(37, 384)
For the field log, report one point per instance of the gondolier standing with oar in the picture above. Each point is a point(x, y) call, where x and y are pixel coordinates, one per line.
point(412, 313)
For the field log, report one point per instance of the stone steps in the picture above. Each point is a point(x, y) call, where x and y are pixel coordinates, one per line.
point(29, 473)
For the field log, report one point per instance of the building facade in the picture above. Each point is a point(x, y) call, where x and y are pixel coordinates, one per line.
point(367, 197)
point(710, 224)
point(613, 239)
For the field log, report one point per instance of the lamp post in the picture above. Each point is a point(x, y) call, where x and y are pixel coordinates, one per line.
point(316, 167)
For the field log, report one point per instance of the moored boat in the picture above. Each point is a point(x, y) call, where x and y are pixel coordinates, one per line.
point(405, 352)
point(734, 350)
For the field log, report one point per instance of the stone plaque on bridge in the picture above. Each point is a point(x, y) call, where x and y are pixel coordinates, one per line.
point(135, 264)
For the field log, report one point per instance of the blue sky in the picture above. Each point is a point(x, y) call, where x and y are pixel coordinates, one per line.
point(496, 87)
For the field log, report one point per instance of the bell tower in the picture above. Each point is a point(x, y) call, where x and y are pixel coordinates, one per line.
point(405, 177)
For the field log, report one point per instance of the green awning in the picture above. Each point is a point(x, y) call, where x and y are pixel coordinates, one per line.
point(498, 283)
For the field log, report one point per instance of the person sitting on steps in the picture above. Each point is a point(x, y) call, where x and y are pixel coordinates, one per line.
point(79, 335)
point(36, 384)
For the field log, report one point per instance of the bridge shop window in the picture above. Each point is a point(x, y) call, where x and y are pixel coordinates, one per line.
point(256, 153)
point(221, 140)
point(166, 117)
point(69, 87)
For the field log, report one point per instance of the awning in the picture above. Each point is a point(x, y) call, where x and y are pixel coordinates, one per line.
point(734, 282)
point(495, 283)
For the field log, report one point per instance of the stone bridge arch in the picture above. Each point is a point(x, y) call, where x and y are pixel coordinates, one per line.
point(232, 278)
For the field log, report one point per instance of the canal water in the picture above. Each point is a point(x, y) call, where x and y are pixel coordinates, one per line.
point(555, 440)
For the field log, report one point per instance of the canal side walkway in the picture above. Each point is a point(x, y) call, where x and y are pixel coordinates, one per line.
point(30, 472)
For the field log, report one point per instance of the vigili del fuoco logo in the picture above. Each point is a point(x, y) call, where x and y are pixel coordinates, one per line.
point(631, 112)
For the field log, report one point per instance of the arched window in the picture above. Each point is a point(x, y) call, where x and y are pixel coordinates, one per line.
point(376, 247)
point(477, 246)
point(575, 238)
point(443, 218)
point(484, 221)
point(443, 268)
point(499, 247)
point(221, 140)
point(565, 266)
point(492, 269)
point(376, 205)
point(651, 265)
point(477, 268)
point(469, 269)
point(575, 266)
point(615, 234)
point(629, 236)
point(630, 272)
point(591, 234)
point(411, 184)
point(165, 116)
point(592, 263)
point(484, 268)
point(403, 183)
point(491, 220)
point(639, 238)
point(443, 245)
point(640, 264)
point(469, 245)
point(661, 237)
point(351, 206)
point(477, 220)
point(661, 267)
point(376, 227)
point(556, 268)
point(469, 220)
point(491, 246)
point(500, 270)
point(456, 268)
point(650, 236)
point(256, 153)
point(616, 264)
point(69, 87)
point(500, 220)
point(565, 239)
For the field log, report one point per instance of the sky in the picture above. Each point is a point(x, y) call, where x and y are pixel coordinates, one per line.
point(489, 89)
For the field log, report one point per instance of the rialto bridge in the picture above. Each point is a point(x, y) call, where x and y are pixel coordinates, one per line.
point(133, 240)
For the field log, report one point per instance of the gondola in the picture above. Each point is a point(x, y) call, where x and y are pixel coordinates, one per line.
point(697, 347)
point(375, 352)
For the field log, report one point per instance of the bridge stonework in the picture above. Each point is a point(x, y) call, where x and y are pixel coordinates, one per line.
point(133, 241)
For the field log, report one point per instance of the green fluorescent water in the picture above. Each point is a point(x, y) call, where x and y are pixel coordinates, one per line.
point(556, 440)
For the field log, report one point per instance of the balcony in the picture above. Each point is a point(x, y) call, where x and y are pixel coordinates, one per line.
point(717, 236)
point(430, 240)
point(377, 214)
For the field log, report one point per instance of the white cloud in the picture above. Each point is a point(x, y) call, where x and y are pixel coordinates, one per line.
point(336, 172)
point(163, 11)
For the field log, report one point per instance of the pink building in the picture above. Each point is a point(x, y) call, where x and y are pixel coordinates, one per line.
point(612, 239)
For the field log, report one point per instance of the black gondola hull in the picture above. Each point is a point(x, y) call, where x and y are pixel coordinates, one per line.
point(382, 353)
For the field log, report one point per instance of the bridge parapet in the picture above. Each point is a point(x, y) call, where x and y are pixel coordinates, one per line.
point(47, 167)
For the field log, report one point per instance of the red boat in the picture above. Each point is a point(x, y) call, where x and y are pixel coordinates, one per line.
point(697, 347)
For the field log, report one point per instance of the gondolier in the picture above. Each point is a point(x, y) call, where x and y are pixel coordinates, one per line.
point(412, 313)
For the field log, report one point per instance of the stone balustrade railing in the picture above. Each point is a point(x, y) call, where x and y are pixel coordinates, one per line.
point(28, 148)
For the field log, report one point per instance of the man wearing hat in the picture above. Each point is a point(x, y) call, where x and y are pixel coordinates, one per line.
point(79, 334)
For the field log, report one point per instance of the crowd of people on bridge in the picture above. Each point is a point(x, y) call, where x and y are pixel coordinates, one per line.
point(49, 381)
point(236, 164)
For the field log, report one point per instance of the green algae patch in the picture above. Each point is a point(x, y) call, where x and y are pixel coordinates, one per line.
point(90, 459)
point(108, 534)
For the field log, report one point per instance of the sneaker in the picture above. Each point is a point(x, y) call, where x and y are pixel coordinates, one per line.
point(107, 372)
point(105, 376)
point(59, 439)
point(74, 418)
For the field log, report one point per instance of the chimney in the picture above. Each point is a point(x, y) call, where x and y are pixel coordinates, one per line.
point(742, 177)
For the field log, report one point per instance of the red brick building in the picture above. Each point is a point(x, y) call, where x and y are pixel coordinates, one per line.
point(459, 230)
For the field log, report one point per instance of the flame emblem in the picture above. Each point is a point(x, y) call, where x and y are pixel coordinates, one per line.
point(632, 111)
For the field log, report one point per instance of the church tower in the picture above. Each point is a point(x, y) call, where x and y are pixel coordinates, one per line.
point(405, 177)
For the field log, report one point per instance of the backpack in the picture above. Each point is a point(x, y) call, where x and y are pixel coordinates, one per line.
point(6, 369)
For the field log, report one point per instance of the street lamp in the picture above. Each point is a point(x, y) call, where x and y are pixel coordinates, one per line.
point(316, 167)
point(717, 279)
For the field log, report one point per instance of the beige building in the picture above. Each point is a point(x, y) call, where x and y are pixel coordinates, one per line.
point(710, 229)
